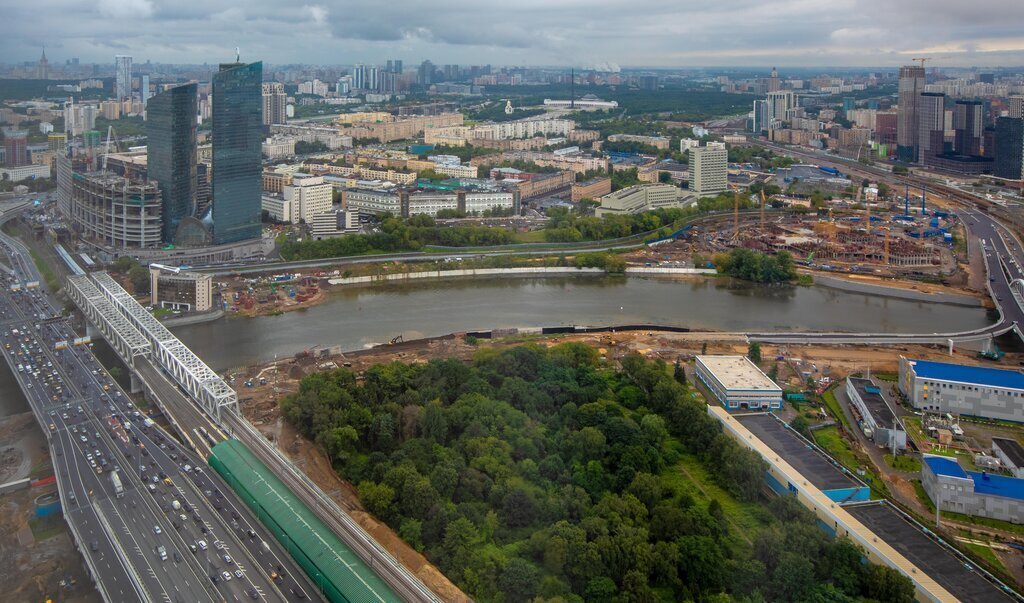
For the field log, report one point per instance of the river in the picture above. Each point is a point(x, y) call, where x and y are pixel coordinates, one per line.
point(357, 316)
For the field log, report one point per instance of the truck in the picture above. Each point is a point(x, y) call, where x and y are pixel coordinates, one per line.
point(116, 480)
point(148, 422)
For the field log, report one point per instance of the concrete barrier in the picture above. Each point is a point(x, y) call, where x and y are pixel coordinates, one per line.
point(524, 271)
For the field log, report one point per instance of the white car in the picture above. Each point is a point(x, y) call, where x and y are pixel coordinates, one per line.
point(226, 576)
point(157, 530)
point(202, 545)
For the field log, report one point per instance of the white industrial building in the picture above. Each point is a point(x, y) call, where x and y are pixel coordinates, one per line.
point(643, 197)
point(737, 383)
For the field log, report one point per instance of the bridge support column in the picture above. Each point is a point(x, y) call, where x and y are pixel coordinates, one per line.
point(136, 383)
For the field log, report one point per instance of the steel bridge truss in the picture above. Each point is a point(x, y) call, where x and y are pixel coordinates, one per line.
point(119, 332)
point(201, 382)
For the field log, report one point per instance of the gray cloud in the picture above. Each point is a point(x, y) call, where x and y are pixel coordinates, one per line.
point(552, 32)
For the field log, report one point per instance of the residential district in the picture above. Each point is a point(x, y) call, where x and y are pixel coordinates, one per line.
point(141, 198)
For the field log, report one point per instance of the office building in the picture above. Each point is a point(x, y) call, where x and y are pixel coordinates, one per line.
point(967, 127)
point(176, 289)
point(779, 104)
point(931, 126)
point(274, 102)
point(171, 153)
point(334, 223)
point(761, 116)
point(737, 383)
point(773, 81)
point(15, 148)
point(911, 85)
point(643, 198)
point(43, 67)
point(122, 77)
point(1016, 107)
point(144, 90)
point(308, 195)
point(878, 421)
point(941, 387)
point(237, 134)
point(709, 171)
point(976, 493)
point(1009, 148)
point(56, 142)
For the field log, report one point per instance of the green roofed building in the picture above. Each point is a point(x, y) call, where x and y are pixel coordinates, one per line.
point(329, 563)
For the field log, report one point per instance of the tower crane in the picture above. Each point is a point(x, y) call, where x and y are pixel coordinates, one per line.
point(762, 209)
point(106, 147)
point(922, 60)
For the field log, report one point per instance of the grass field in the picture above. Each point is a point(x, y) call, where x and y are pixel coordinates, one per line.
point(903, 463)
point(829, 397)
point(533, 236)
point(833, 443)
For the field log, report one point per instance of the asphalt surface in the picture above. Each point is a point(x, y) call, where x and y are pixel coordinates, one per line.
point(94, 423)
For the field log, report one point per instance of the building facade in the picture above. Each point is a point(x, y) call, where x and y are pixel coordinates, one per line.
point(308, 195)
point(1009, 151)
point(642, 198)
point(171, 153)
point(237, 134)
point(941, 387)
point(931, 125)
point(877, 420)
point(972, 492)
point(967, 127)
point(910, 87)
point(709, 171)
point(178, 290)
point(122, 77)
point(110, 210)
point(15, 148)
point(274, 102)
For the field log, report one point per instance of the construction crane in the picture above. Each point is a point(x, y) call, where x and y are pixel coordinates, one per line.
point(106, 148)
point(736, 216)
point(762, 209)
point(885, 252)
point(922, 61)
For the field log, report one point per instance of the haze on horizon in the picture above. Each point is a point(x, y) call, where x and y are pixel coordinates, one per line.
point(585, 33)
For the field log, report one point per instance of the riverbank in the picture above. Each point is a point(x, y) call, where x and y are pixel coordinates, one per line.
point(193, 319)
point(899, 289)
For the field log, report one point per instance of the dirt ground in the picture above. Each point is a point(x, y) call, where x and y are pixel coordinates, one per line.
point(31, 569)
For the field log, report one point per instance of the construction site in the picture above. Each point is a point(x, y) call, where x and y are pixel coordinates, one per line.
point(886, 238)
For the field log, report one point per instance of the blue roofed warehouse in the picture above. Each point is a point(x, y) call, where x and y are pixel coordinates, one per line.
point(978, 391)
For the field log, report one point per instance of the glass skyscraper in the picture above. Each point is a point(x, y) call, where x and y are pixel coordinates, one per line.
point(237, 135)
point(171, 149)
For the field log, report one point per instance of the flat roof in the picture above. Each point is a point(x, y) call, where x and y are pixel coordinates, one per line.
point(997, 485)
point(962, 373)
point(1012, 449)
point(941, 465)
point(738, 372)
point(875, 402)
point(941, 564)
point(807, 460)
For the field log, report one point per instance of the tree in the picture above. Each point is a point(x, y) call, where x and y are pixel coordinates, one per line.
point(800, 424)
point(139, 277)
point(754, 352)
point(378, 499)
point(886, 584)
point(518, 580)
point(679, 373)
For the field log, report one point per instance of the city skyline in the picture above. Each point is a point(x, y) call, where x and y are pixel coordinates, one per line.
point(868, 33)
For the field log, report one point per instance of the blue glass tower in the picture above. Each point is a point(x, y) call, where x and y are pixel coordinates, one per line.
point(237, 134)
point(171, 153)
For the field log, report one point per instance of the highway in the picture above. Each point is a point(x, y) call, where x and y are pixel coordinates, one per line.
point(213, 549)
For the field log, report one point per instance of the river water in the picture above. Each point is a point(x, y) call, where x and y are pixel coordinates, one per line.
point(357, 316)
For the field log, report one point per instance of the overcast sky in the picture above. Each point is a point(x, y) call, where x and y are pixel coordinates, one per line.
point(582, 33)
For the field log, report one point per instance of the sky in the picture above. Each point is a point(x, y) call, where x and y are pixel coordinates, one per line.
point(580, 33)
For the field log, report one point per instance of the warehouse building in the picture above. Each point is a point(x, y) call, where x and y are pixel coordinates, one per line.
point(878, 421)
point(977, 391)
point(980, 494)
point(736, 383)
point(887, 536)
point(1011, 454)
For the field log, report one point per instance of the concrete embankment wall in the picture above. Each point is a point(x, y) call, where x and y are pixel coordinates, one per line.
point(897, 292)
point(526, 271)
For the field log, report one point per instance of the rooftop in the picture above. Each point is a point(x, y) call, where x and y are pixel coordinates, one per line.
point(874, 402)
point(738, 372)
point(941, 465)
point(997, 485)
point(920, 549)
point(807, 460)
point(962, 373)
point(1012, 449)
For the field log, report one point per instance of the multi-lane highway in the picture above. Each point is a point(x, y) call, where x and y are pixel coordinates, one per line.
point(164, 528)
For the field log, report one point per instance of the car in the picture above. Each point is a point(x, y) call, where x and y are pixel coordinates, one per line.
point(94, 546)
point(251, 533)
point(177, 557)
point(252, 594)
point(227, 559)
point(215, 578)
point(192, 548)
point(238, 574)
point(201, 544)
point(151, 487)
point(157, 530)
point(225, 575)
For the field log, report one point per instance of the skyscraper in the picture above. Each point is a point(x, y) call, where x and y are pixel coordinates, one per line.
point(171, 150)
point(911, 85)
point(123, 75)
point(237, 134)
point(1017, 107)
point(779, 103)
point(144, 90)
point(967, 126)
point(15, 147)
point(709, 171)
point(931, 125)
point(43, 68)
point(761, 118)
point(773, 81)
point(274, 102)
point(1009, 148)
